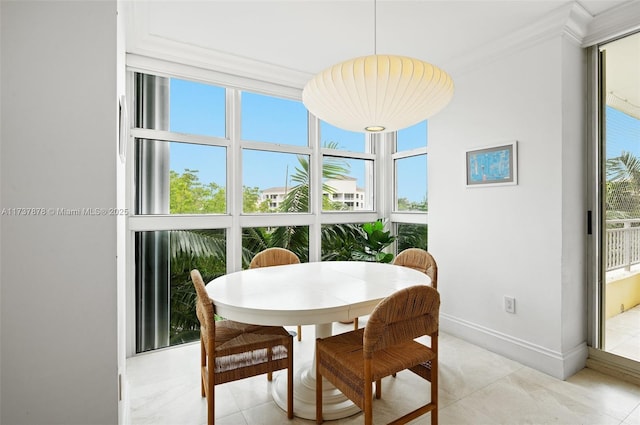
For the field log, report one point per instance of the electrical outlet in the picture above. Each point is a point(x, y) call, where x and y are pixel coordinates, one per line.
point(509, 304)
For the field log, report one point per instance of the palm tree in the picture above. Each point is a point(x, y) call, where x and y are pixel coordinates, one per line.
point(296, 238)
point(623, 186)
point(204, 250)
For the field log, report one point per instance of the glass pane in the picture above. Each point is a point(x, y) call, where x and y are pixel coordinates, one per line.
point(293, 238)
point(620, 301)
point(165, 296)
point(197, 108)
point(340, 241)
point(274, 120)
point(411, 183)
point(347, 184)
point(357, 242)
point(181, 178)
point(411, 236)
point(274, 182)
point(337, 138)
point(413, 137)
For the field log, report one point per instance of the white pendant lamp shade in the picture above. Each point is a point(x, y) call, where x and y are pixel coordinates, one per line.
point(378, 93)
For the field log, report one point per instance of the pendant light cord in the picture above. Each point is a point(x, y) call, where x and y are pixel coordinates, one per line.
point(375, 26)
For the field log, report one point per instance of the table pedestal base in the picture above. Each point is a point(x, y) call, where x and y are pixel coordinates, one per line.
point(335, 405)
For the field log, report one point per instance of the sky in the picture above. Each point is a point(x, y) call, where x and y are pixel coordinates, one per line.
point(198, 108)
point(623, 133)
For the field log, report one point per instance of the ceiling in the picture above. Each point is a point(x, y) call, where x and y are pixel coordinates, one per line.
point(622, 74)
point(288, 41)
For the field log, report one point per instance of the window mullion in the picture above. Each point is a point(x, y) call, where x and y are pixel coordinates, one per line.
point(234, 176)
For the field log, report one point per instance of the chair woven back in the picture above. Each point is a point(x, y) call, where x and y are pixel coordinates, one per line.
point(276, 257)
point(204, 308)
point(401, 317)
point(420, 260)
point(231, 350)
point(273, 257)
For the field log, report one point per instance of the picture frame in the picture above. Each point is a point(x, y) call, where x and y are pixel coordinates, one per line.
point(492, 166)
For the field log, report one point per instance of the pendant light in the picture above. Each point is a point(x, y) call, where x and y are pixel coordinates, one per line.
point(377, 93)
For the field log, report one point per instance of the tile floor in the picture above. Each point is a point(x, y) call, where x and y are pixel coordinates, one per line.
point(622, 336)
point(476, 387)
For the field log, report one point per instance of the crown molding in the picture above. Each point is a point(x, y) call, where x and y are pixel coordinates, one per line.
point(146, 44)
point(570, 21)
point(613, 23)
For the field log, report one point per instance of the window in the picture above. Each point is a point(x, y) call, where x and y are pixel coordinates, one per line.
point(201, 174)
point(345, 178)
point(411, 183)
point(179, 168)
point(410, 187)
point(341, 139)
point(211, 188)
point(256, 239)
point(274, 120)
point(193, 178)
point(278, 176)
point(197, 108)
point(165, 301)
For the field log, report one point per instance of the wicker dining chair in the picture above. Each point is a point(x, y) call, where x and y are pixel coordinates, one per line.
point(420, 260)
point(417, 259)
point(231, 350)
point(353, 360)
point(275, 257)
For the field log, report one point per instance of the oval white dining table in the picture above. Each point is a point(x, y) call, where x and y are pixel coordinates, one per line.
point(317, 293)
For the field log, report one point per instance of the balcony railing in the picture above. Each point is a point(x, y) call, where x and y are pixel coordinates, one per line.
point(623, 244)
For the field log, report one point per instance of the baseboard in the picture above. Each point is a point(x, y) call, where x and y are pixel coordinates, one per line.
point(554, 363)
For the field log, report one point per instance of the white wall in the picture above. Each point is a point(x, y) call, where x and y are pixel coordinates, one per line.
point(59, 347)
point(525, 240)
point(123, 412)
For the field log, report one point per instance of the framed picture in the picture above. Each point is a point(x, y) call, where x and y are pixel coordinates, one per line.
point(493, 165)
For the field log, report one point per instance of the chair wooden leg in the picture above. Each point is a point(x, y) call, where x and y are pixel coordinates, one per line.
point(211, 396)
point(434, 380)
point(368, 393)
point(319, 418)
point(355, 324)
point(203, 363)
point(269, 358)
point(379, 389)
point(290, 380)
point(211, 407)
point(299, 333)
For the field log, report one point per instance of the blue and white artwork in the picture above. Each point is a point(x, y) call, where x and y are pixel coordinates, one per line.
point(491, 165)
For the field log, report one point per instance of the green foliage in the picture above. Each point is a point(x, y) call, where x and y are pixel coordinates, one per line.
point(204, 250)
point(339, 241)
point(412, 236)
point(374, 240)
point(187, 195)
point(297, 199)
point(405, 205)
point(250, 196)
point(623, 186)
